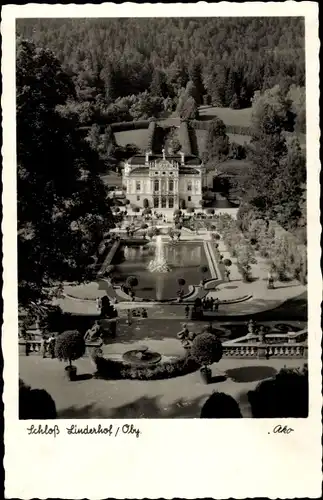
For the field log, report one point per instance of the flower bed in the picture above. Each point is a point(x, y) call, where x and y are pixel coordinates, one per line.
point(114, 370)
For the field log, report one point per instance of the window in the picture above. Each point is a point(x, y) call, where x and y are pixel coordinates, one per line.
point(171, 202)
point(156, 173)
point(164, 173)
point(163, 202)
point(171, 185)
point(138, 198)
point(156, 185)
point(137, 185)
point(156, 202)
point(170, 173)
point(189, 186)
point(189, 198)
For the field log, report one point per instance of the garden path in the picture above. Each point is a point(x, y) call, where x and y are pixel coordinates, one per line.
point(180, 397)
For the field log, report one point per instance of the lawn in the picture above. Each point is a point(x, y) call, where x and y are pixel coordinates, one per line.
point(112, 179)
point(138, 137)
point(200, 139)
point(239, 139)
point(202, 134)
point(180, 397)
point(238, 117)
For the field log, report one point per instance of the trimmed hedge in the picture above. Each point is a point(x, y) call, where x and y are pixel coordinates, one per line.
point(115, 370)
point(151, 135)
point(184, 138)
point(199, 125)
point(135, 125)
point(230, 129)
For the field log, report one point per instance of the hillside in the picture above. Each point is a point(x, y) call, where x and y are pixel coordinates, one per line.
point(114, 57)
point(234, 117)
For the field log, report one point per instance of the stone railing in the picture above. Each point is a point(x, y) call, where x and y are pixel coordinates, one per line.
point(109, 257)
point(271, 338)
point(35, 347)
point(260, 350)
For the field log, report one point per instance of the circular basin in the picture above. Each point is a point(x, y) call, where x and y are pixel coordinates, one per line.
point(141, 356)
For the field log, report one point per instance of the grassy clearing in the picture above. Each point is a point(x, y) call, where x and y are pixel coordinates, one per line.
point(202, 134)
point(112, 179)
point(239, 139)
point(234, 167)
point(138, 137)
point(238, 117)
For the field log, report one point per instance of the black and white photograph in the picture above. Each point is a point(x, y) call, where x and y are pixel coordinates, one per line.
point(162, 218)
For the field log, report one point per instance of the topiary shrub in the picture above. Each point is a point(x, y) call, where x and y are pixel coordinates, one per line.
point(190, 210)
point(136, 209)
point(220, 405)
point(210, 211)
point(182, 204)
point(206, 349)
point(132, 281)
point(181, 282)
point(283, 396)
point(69, 346)
point(227, 262)
point(145, 203)
point(116, 210)
point(204, 269)
point(114, 370)
point(144, 226)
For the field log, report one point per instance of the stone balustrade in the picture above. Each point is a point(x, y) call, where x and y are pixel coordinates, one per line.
point(35, 347)
point(255, 350)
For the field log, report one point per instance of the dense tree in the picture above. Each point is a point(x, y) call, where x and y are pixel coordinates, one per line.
point(158, 85)
point(297, 97)
point(62, 212)
point(195, 73)
point(118, 57)
point(271, 112)
point(217, 143)
point(146, 106)
point(189, 110)
point(289, 185)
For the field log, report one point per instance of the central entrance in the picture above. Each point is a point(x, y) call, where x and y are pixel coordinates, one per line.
point(164, 201)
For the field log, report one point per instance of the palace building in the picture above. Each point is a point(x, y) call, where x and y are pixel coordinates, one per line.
point(166, 181)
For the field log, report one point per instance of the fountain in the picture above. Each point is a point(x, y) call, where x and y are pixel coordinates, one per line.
point(159, 264)
point(141, 356)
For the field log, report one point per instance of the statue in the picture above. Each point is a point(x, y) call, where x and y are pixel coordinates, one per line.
point(94, 332)
point(186, 337)
point(163, 151)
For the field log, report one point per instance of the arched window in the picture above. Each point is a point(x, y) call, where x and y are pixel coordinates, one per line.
point(156, 185)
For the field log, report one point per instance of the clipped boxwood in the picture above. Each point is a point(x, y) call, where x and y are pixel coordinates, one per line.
point(69, 346)
point(206, 349)
point(184, 138)
point(113, 370)
point(132, 125)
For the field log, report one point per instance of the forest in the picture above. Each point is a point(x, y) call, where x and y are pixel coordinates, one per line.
point(225, 60)
point(76, 74)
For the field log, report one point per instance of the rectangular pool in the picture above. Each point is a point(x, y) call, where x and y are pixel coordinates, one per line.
point(183, 258)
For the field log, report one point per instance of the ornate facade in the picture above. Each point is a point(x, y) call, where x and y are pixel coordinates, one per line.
point(166, 181)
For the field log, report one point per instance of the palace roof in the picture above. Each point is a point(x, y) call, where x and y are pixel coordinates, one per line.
point(141, 159)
